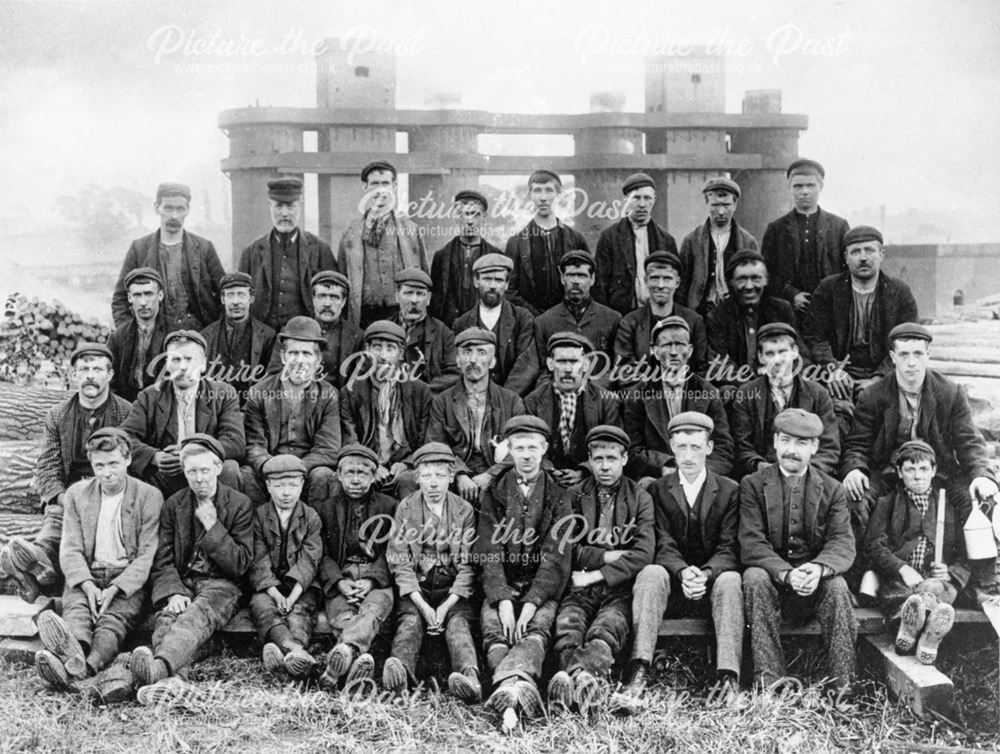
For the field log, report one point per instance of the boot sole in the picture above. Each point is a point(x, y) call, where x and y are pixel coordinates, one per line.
point(465, 688)
point(939, 623)
point(912, 617)
point(56, 638)
point(362, 669)
point(273, 658)
point(394, 675)
point(52, 670)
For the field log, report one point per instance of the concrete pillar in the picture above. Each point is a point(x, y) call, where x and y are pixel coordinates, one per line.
point(685, 202)
point(765, 192)
point(695, 141)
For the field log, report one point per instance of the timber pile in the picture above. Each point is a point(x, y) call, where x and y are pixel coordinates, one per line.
point(969, 352)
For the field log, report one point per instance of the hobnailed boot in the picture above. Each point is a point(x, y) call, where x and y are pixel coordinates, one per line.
point(33, 559)
point(394, 675)
point(27, 585)
point(146, 668)
point(939, 623)
point(560, 691)
point(299, 663)
point(338, 662)
point(115, 684)
point(56, 637)
point(52, 670)
point(912, 616)
point(362, 669)
point(466, 686)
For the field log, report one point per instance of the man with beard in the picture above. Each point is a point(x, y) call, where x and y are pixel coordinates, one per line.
point(376, 247)
point(650, 406)
point(188, 266)
point(622, 248)
point(180, 405)
point(63, 461)
point(524, 568)
point(469, 416)
point(282, 263)
point(796, 544)
point(516, 365)
point(537, 248)
point(578, 312)
point(707, 249)
point(430, 346)
point(239, 345)
point(781, 386)
point(570, 404)
point(452, 268)
point(136, 344)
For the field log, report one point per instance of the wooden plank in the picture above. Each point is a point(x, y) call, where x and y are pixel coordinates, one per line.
point(16, 615)
point(19, 650)
point(924, 688)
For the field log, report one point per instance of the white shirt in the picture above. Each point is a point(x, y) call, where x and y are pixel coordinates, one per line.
point(489, 317)
point(692, 489)
point(641, 233)
point(109, 550)
point(185, 402)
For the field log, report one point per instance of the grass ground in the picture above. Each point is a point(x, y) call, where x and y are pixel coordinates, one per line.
point(252, 712)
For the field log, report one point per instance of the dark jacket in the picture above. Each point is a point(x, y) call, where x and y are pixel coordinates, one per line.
point(615, 259)
point(449, 421)
point(696, 260)
point(598, 407)
point(262, 340)
point(525, 289)
point(229, 544)
point(359, 421)
point(719, 517)
point(203, 267)
point(634, 335)
point(431, 344)
point(303, 550)
point(827, 328)
point(343, 339)
point(646, 420)
point(599, 323)
point(446, 278)
point(789, 273)
point(517, 357)
point(123, 344)
point(829, 537)
point(727, 341)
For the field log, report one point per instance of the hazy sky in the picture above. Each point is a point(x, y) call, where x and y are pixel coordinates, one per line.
point(903, 98)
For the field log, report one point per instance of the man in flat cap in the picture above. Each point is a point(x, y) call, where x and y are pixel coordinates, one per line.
point(108, 544)
point(695, 568)
point(806, 245)
point(377, 246)
point(524, 565)
point(434, 575)
point(795, 545)
point(537, 248)
point(354, 575)
point(623, 247)
point(571, 404)
point(294, 412)
point(137, 343)
point(330, 291)
point(382, 411)
point(613, 537)
point(781, 385)
point(633, 339)
point(672, 388)
point(516, 365)
point(205, 552)
point(188, 265)
point(283, 262)
point(288, 548)
point(239, 344)
point(430, 346)
point(181, 404)
point(454, 288)
point(578, 311)
point(706, 249)
point(62, 461)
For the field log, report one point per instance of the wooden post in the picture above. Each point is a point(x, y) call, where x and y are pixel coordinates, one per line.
point(939, 532)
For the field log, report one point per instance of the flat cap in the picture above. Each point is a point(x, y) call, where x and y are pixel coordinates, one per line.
point(433, 452)
point(661, 258)
point(798, 422)
point(143, 275)
point(909, 445)
point(186, 336)
point(173, 189)
point(608, 433)
point(235, 280)
point(635, 181)
point(357, 450)
point(207, 442)
point(860, 234)
point(569, 338)
point(413, 276)
point(491, 262)
point(577, 257)
point(283, 465)
point(746, 256)
point(774, 329)
point(110, 433)
point(910, 331)
point(475, 336)
point(377, 165)
point(89, 349)
point(331, 277)
point(720, 183)
point(303, 328)
point(666, 323)
point(384, 329)
point(805, 167)
point(544, 176)
point(284, 189)
point(523, 423)
point(690, 420)
point(471, 196)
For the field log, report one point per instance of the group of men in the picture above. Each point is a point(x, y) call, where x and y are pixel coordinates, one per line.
point(533, 452)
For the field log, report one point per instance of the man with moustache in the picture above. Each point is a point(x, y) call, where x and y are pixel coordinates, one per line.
point(63, 461)
point(182, 404)
point(707, 249)
point(377, 246)
point(239, 344)
point(537, 248)
point(622, 248)
point(516, 365)
point(430, 345)
point(283, 262)
point(804, 246)
point(344, 338)
point(136, 344)
point(469, 416)
point(454, 289)
point(188, 266)
point(796, 544)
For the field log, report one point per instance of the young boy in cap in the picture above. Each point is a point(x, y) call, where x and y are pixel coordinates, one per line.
point(429, 351)
point(429, 557)
point(613, 536)
point(288, 547)
point(137, 343)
